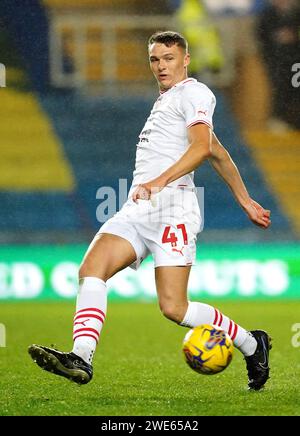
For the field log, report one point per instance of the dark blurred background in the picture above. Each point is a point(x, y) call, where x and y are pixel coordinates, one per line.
point(78, 90)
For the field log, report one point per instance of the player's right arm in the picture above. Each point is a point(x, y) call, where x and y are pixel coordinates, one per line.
point(198, 150)
point(223, 164)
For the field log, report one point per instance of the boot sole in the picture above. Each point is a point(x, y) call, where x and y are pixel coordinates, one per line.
point(50, 363)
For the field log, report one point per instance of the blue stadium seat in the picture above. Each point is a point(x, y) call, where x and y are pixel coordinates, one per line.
point(38, 212)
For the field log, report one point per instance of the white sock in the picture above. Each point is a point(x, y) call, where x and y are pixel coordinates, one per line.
point(200, 313)
point(89, 317)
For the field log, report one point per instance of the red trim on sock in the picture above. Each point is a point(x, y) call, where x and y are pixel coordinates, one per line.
point(216, 317)
point(235, 332)
point(91, 308)
point(87, 329)
point(90, 315)
point(221, 320)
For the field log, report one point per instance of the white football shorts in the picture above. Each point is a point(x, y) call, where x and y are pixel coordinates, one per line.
point(165, 226)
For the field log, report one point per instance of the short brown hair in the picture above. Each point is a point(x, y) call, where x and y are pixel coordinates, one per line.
point(168, 38)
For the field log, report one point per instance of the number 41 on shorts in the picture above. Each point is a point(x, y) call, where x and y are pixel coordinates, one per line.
point(171, 236)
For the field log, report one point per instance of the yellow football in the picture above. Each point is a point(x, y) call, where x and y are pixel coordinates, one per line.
point(207, 349)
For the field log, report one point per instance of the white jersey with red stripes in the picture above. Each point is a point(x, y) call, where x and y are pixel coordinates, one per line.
point(163, 139)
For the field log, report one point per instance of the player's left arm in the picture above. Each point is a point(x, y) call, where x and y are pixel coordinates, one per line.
point(199, 149)
point(223, 164)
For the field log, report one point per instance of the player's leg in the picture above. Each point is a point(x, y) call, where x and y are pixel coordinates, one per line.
point(171, 285)
point(106, 255)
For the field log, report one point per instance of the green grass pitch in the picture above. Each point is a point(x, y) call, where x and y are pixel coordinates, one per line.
point(139, 367)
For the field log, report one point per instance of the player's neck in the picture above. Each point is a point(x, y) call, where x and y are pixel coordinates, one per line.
point(162, 90)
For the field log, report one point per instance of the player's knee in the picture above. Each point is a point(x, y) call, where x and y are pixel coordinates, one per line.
point(83, 270)
point(172, 311)
point(89, 268)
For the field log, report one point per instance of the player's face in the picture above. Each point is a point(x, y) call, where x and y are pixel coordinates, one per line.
point(168, 64)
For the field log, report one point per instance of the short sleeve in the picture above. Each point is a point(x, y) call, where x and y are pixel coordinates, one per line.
point(198, 104)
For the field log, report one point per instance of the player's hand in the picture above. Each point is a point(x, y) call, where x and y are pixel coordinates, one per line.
point(142, 192)
point(257, 214)
point(145, 191)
